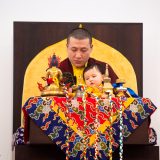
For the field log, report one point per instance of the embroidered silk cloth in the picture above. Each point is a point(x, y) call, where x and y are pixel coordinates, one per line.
point(58, 118)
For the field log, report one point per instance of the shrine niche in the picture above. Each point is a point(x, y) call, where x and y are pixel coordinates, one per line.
point(126, 38)
point(40, 41)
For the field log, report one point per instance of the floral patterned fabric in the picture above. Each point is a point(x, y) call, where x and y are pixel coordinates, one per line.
point(58, 118)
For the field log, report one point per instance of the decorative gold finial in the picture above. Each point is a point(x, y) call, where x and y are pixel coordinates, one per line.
point(107, 87)
point(80, 26)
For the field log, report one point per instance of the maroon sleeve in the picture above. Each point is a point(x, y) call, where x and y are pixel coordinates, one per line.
point(65, 66)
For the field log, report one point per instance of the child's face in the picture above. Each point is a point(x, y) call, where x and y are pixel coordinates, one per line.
point(93, 77)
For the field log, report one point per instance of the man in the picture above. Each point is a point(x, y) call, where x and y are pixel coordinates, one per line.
point(79, 48)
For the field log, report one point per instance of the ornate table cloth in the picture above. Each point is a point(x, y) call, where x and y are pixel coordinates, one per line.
point(63, 122)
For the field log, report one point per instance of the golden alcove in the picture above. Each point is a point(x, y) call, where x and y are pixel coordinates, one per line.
point(101, 51)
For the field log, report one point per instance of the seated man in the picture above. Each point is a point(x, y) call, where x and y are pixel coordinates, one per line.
point(79, 48)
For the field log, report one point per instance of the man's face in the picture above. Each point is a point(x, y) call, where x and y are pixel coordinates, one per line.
point(78, 51)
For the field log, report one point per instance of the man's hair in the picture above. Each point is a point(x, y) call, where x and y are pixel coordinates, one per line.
point(80, 33)
point(97, 66)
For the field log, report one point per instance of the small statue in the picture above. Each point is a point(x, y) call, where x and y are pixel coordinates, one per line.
point(53, 78)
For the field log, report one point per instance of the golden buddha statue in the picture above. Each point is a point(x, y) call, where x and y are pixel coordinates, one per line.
point(53, 78)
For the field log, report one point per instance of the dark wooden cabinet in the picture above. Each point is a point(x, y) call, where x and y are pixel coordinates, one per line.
point(31, 37)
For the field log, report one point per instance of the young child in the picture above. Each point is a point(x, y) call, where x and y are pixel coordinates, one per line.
point(93, 78)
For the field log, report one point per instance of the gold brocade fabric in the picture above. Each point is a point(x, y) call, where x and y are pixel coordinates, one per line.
point(90, 108)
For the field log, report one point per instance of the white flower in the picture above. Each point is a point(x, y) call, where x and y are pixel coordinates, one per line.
point(46, 109)
point(134, 108)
